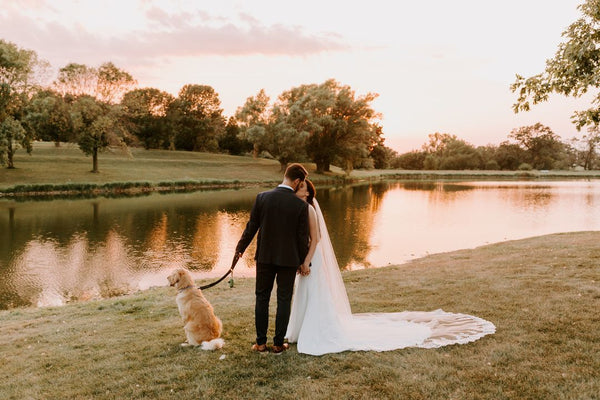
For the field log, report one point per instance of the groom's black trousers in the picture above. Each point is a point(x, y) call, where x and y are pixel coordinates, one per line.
point(266, 275)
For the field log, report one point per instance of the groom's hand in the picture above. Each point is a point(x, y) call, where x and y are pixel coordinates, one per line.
point(304, 270)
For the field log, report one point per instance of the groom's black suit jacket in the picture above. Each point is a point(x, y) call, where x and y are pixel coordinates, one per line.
point(281, 220)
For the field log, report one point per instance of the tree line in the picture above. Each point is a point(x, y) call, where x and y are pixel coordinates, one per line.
point(526, 148)
point(328, 123)
point(101, 107)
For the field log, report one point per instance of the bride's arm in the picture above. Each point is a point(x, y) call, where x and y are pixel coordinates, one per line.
point(314, 238)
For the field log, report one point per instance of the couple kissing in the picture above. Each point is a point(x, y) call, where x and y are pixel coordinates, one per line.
point(294, 251)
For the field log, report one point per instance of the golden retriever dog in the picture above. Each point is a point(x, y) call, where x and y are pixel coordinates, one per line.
point(202, 327)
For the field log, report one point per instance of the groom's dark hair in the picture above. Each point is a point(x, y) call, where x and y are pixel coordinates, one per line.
point(296, 171)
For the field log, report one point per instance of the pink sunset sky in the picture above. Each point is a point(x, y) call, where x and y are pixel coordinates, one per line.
point(438, 65)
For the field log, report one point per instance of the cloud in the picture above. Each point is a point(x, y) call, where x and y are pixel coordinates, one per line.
point(166, 35)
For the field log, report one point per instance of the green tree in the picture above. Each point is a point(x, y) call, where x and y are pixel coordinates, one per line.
point(413, 160)
point(97, 127)
point(542, 146)
point(113, 83)
point(445, 151)
point(586, 148)
point(272, 130)
point(345, 129)
point(12, 132)
point(509, 156)
point(76, 80)
point(231, 141)
point(107, 83)
point(21, 69)
point(12, 137)
point(198, 118)
point(573, 71)
point(253, 118)
point(48, 116)
point(338, 125)
point(382, 156)
point(146, 110)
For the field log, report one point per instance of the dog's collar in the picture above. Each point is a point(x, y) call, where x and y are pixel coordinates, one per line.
point(185, 288)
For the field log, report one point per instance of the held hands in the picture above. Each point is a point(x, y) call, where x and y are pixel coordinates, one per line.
point(304, 270)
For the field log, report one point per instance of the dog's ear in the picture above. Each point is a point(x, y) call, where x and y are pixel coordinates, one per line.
point(174, 278)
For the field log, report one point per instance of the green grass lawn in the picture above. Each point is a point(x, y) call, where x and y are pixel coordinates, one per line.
point(68, 166)
point(543, 295)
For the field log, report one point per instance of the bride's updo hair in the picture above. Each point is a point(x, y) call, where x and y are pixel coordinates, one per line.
point(312, 192)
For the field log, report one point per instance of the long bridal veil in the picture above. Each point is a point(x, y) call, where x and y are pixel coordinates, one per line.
point(322, 321)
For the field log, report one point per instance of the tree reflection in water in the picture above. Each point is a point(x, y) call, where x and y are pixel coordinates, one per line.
point(56, 251)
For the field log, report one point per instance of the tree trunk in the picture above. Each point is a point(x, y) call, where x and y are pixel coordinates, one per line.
point(10, 152)
point(95, 160)
point(57, 143)
point(283, 165)
point(323, 166)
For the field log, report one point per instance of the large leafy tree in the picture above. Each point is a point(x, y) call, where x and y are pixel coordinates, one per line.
point(253, 118)
point(445, 151)
point(326, 123)
point(338, 126)
point(586, 148)
point(573, 71)
point(270, 129)
point(20, 70)
point(97, 125)
point(413, 160)
point(231, 140)
point(76, 80)
point(12, 137)
point(146, 113)
point(509, 155)
point(542, 146)
point(197, 117)
point(341, 128)
point(106, 83)
point(48, 116)
point(113, 83)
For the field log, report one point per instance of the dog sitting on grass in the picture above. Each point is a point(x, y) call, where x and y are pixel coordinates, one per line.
point(202, 327)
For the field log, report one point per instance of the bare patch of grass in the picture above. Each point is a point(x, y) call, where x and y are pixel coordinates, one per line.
point(542, 293)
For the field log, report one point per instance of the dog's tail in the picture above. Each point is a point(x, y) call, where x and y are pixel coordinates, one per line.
point(213, 344)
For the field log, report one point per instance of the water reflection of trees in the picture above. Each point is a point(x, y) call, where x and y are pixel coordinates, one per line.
point(206, 241)
point(107, 241)
point(439, 192)
point(349, 214)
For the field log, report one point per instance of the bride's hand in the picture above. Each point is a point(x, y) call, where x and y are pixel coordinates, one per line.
point(304, 270)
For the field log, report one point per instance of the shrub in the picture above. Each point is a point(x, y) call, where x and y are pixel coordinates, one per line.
point(492, 165)
point(525, 167)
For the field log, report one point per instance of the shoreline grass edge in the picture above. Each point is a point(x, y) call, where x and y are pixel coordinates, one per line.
point(542, 294)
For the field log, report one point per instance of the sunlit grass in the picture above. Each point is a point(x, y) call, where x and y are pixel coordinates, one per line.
point(543, 294)
point(67, 164)
point(67, 169)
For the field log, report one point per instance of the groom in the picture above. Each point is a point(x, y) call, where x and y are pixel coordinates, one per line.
point(281, 220)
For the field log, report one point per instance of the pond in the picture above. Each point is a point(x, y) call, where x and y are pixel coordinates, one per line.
point(56, 251)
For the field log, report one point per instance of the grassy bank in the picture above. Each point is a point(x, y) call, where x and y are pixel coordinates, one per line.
point(65, 170)
point(542, 293)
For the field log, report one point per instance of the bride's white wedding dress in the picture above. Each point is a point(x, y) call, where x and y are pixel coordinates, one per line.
point(321, 320)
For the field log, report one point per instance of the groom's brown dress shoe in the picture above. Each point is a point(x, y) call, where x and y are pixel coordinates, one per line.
point(260, 348)
point(280, 349)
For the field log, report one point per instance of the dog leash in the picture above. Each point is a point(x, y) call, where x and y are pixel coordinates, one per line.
point(233, 263)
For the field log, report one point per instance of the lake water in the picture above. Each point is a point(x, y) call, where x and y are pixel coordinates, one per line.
point(53, 252)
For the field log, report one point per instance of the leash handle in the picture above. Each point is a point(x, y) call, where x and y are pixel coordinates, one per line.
point(236, 257)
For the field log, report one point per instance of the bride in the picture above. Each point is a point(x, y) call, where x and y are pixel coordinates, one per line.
point(321, 320)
